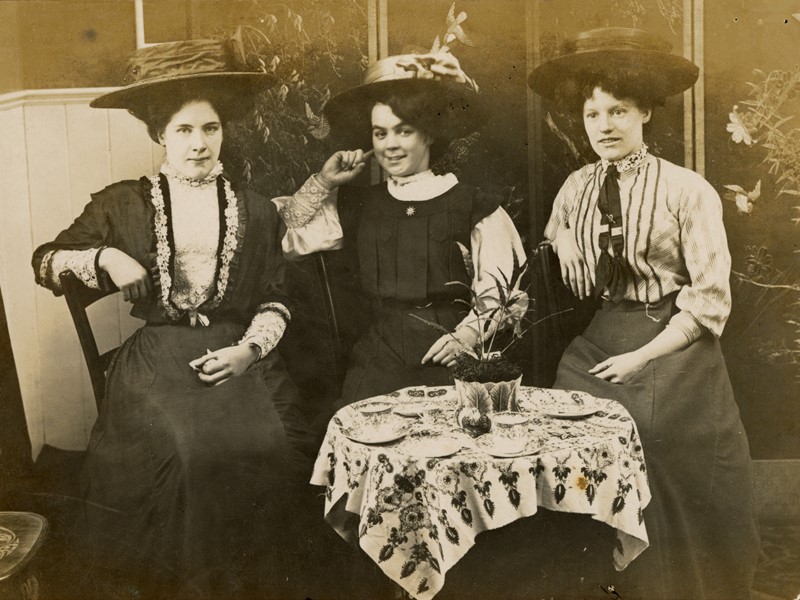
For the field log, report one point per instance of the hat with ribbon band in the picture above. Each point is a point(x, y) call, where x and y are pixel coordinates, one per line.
point(640, 54)
point(455, 96)
point(154, 69)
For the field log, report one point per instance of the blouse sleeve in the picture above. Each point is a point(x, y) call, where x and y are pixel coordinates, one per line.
point(312, 220)
point(75, 249)
point(562, 207)
point(494, 243)
point(707, 299)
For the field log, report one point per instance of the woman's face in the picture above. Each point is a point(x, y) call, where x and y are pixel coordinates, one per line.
point(400, 148)
point(614, 126)
point(193, 138)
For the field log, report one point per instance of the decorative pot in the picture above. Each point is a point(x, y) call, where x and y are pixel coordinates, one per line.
point(477, 401)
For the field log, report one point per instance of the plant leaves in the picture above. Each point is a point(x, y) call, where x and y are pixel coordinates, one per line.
point(467, 257)
point(408, 569)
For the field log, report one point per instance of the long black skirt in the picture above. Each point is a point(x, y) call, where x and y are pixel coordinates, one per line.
point(388, 355)
point(186, 484)
point(701, 522)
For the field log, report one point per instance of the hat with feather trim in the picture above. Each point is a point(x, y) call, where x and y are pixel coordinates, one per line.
point(453, 98)
point(155, 69)
point(642, 55)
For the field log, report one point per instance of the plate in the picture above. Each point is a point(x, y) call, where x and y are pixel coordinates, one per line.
point(485, 443)
point(366, 435)
point(437, 446)
point(569, 412)
point(414, 408)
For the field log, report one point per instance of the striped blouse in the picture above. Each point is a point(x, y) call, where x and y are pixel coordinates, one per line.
point(674, 236)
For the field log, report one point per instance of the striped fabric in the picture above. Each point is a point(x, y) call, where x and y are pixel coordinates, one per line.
point(674, 236)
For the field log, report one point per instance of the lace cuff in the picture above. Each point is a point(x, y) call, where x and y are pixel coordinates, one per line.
point(267, 327)
point(304, 203)
point(80, 262)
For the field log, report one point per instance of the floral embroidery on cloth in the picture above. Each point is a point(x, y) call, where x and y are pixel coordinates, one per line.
point(267, 327)
point(419, 515)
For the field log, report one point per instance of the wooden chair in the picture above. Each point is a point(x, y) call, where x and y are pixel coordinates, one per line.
point(562, 316)
point(21, 535)
point(79, 298)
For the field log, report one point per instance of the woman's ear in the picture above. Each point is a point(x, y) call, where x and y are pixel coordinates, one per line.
point(646, 114)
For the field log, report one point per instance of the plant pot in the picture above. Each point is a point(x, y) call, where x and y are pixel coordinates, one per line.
point(477, 401)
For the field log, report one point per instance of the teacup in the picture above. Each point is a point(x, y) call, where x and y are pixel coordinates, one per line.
point(510, 431)
point(376, 413)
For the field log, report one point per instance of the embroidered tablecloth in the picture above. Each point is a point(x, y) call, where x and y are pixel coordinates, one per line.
point(417, 516)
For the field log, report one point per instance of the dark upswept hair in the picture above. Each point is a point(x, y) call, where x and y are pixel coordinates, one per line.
point(422, 107)
point(623, 84)
point(157, 108)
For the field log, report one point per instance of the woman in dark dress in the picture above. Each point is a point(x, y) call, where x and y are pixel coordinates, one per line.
point(648, 236)
point(401, 236)
point(199, 433)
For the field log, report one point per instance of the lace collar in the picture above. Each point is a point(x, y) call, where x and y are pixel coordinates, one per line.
point(420, 186)
point(630, 162)
point(171, 172)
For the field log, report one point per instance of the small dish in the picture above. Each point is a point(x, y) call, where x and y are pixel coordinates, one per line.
point(382, 433)
point(437, 446)
point(486, 444)
point(413, 408)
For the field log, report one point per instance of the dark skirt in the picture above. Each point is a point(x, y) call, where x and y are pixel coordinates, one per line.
point(183, 481)
point(388, 356)
point(701, 522)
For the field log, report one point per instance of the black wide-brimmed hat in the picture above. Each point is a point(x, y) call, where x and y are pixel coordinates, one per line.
point(455, 103)
point(640, 54)
point(154, 69)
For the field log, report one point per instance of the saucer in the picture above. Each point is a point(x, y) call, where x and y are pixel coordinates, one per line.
point(414, 408)
point(437, 446)
point(370, 435)
point(485, 443)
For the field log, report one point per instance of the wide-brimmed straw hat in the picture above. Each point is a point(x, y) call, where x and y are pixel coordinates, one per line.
point(640, 54)
point(455, 104)
point(155, 68)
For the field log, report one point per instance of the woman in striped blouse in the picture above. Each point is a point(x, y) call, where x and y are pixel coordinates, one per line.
point(648, 236)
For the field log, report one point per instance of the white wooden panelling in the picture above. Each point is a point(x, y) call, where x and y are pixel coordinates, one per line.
point(16, 276)
point(56, 151)
point(51, 210)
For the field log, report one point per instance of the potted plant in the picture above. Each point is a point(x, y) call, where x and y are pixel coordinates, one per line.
point(486, 381)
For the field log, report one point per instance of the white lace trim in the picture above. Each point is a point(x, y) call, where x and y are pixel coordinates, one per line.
point(163, 251)
point(171, 172)
point(79, 262)
point(267, 327)
point(304, 203)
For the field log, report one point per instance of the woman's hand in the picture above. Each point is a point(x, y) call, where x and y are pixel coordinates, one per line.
point(343, 167)
point(621, 368)
point(217, 367)
point(445, 350)
point(574, 271)
point(127, 274)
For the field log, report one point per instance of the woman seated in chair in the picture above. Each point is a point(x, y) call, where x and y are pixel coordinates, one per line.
point(648, 236)
point(400, 237)
point(199, 433)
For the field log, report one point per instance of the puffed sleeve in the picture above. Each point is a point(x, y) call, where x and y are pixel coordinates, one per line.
point(564, 204)
point(494, 243)
point(76, 249)
point(312, 219)
point(704, 245)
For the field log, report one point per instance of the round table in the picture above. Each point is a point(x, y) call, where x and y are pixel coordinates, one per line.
point(417, 515)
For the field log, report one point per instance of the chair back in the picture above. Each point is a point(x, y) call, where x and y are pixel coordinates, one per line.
point(561, 315)
point(79, 297)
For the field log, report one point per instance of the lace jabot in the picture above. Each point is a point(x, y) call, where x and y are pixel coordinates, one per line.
point(171, 172)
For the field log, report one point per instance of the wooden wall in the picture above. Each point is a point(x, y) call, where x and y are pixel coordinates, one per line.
point(56, 151)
